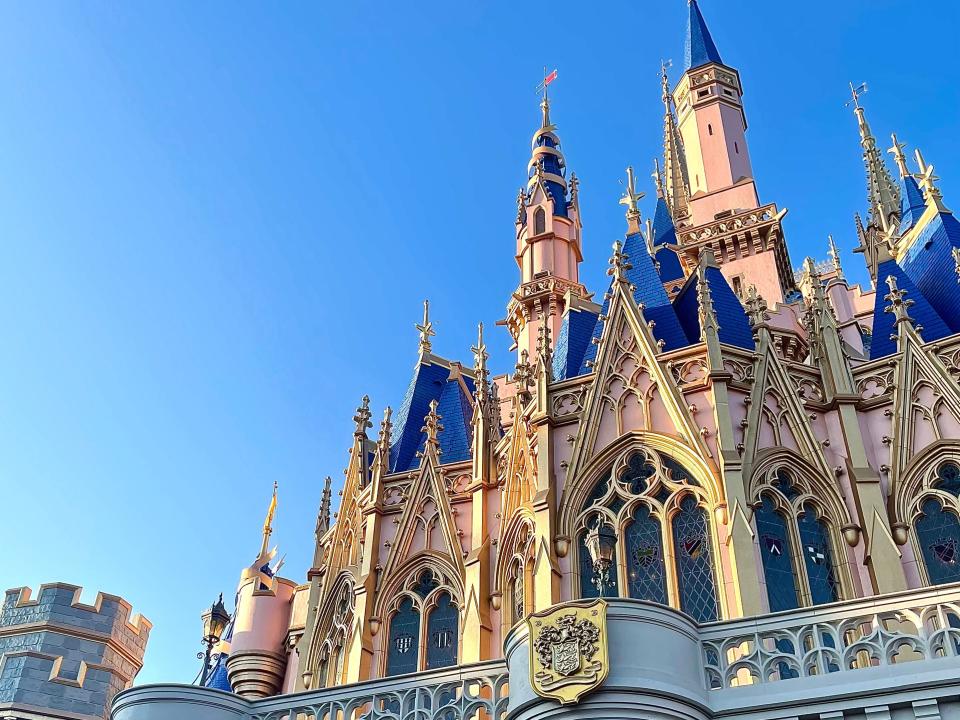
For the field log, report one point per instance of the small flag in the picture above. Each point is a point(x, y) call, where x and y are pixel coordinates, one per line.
point(547, 79)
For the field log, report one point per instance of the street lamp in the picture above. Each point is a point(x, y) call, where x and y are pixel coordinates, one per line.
point(215, 621)
point(601, 543)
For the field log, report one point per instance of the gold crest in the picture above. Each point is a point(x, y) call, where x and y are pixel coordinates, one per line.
point(568, 650)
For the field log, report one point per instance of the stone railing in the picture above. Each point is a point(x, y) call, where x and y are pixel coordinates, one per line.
point(467, 692)
point(837, 638)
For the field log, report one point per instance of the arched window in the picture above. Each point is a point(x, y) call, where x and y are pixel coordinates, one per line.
point(646, 572)
point(795, 545)
point(776, 552)
point(938, 527)
point(442, 633)
point(539, 222)
point(403, 652)
point(691, 540)
point(709, 128)
point(658, 513)
point(519, 596)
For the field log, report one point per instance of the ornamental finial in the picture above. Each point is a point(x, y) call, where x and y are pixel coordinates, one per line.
point(323, 517)
point(432, 426)
point(631, 196)
point(544, 349)
point(523, 378)
point(834, 254)
point(362, 418)
point(956, 261)
point(898, 305)
point(619, 263)
point(268, 522)
point(928, 182)
point(480, 370)
point(756, 307)
point(658, 177)
point(386, 429)
point(898, 157)
point(426, 330)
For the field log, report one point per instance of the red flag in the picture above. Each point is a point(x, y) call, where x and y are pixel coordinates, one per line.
point(550, 78)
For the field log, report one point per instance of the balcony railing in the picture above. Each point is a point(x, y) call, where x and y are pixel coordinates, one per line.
point(841, 637)
point(469, 692)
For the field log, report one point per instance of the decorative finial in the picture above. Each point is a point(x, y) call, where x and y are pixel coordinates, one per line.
point(898, 157)
point(631, 196)
point(323, 517)
point(898, 305)
point(658, 177)
point(426, 330)
point(665, 81)
point(706, 313)
point(521, 206)
point(834, 254)
point(268, 522)
point(523, 378)
point(619, 263)
point(756, 307)
point(856, 92)
point(956, 261)
point(362, 417)
point(432, 426)
point(574, 187)
point(386, 429)
point(542, 88)
point(928, 182)
point(544, 349)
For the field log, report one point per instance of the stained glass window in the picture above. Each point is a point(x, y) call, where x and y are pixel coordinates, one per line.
point(426, 583)
point(815, 547)
point(775, 552)
point(404, 645)
point(638, 471)
point(949, 479)
point(691, 538)
point(588, 585)
point(442, 633)
point(599, 490)
point(938, 532)
point(646, 575)
point(519, 608)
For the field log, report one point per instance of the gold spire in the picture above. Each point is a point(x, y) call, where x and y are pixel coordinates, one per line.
point(882, 193)
point(676, 192)
point(426, 330)
point(927, 181)
point(898, 305)
point(629, 199)
point(898, 157)
point(432, 426)
point(268, 522)
point(362, 418)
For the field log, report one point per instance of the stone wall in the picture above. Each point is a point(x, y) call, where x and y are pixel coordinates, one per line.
point(60, 658)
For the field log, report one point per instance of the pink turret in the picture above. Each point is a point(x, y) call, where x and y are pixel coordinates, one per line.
point(549, 248)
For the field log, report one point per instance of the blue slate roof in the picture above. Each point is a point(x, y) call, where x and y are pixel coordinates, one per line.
point(649, 291)
point(912, 204)
point(218, 678)
point(933, 326)
point(432, 382)
point(731, 317)
point(664, 233)
point(572, 342)
point(552, 164)
point(930, 265)
point(700, 48)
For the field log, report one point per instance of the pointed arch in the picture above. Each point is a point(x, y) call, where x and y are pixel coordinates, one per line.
point(334, 621)
point(918, 478)
point(514, 567)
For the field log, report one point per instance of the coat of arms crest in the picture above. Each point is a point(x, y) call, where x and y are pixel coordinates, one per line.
point(568, 650)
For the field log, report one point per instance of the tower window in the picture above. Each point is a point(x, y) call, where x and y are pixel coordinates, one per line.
point(710, 129)
point(736, 147)
point(738, 286)
point(539, 222)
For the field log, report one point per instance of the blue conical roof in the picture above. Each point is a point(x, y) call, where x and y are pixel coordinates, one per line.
point(700, 48)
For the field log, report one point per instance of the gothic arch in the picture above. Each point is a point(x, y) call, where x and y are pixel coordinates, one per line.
point(514, 568)
point(577, 489)
point(407, 574)
point(334, 621)
point(917, 478)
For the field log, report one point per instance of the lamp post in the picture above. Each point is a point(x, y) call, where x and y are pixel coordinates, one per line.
point(215, 620)
point(601, 543)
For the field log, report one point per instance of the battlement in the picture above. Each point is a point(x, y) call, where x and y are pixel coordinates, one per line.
point(60, 657)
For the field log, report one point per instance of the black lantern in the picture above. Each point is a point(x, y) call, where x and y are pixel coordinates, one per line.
point(601, 543)
point(215, 620)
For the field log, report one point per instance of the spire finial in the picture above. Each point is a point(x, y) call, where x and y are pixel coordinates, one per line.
point(882, 193)
point(834, 255)
point(432, 426)
point(927, 181)
point(521, 206)
point(657, 177)
point(362, 418)
point(856, 92)
point(675, 183)
point(898, 157)
point(756, 307)
point(630, 198)
point(426, 330)
point(268, 522)
point(523, 377)
point(956, 261)
point(323, 517)
point(619, 263)
point(544, 349)
point(542, 88)
point(898, 305)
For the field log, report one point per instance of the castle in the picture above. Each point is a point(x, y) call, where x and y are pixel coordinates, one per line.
point(756, 468)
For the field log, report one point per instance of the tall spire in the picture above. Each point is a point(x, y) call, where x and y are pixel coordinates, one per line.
point(674, 164)
point(547, 164)
point(883, 195)
point(898, 157)
point(834, 254)
point(268, 522)
point(426, 330)
point(700, 48)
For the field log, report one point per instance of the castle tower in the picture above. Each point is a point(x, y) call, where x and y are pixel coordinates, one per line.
point(548, 231)
point(723, 210)
point(61, 658)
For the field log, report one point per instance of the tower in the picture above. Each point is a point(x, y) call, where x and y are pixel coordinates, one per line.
point(723, 210)
point(548, 232)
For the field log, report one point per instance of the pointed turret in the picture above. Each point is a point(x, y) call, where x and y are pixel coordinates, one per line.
point(700, 49)
point(912, 202)
point(323, 517)
point(548, 232)
point(676, 184)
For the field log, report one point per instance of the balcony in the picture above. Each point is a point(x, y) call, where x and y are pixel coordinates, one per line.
point(891, 657)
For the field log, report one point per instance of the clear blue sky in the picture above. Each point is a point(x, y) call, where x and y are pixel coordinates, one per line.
point(218, 221)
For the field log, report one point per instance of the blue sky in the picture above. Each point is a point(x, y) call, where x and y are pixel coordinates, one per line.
point(218, 222)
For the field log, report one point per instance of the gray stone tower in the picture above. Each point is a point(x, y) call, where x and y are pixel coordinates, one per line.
point(60, 658)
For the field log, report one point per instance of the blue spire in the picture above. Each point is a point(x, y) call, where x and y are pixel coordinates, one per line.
point(546, 162)
point(664, 233)
point(700, 48)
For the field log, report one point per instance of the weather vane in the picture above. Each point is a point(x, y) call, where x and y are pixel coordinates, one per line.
point(856, 92)
point(547, 79)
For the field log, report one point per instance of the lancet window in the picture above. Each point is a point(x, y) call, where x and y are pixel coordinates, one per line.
point(424, 628)
point(796, 545)
point(937, 526)
point(664, 550)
